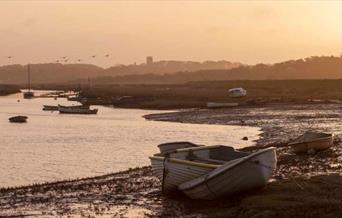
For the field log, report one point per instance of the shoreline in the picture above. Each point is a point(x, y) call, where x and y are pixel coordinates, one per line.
point(8, 90)
point(310, 182)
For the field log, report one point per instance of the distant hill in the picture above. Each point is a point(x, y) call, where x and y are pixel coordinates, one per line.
point(324, 67)
point(48, 73)
point(169, 67)
point(61, 73)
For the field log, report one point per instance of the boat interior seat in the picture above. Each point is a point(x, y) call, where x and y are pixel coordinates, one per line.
point(225, 153)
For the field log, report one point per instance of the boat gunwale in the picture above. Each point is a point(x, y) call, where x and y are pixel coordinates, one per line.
point(172, 143)
point(187, 162)
point(199, 148)
point(229, 167)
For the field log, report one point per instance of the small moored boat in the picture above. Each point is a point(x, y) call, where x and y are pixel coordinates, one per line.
point(50, 108)
point(28, 94)
point(312, 141)
point(235, 176)
point(18, 119)
point(76, 110)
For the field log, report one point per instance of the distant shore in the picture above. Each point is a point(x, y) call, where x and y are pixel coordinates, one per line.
point(303, 185)
point(8, 89)
point(198, 94)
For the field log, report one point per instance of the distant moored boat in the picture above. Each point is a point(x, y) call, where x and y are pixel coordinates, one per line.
point(28, 94)
point(82, 109)
point(50, 108)
point(18, 119)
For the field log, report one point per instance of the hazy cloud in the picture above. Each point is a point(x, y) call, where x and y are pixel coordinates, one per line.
point(263, 12)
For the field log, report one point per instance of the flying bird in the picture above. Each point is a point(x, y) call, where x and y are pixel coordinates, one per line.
point(93, 56)
point(9, 57)
point(107, 55)
point(79, 60)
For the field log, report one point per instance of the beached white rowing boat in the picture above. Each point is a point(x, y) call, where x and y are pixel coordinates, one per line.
point(236, 176)
point(189, 163)
point(172, 171)
point(172, 146)
point(312, 141)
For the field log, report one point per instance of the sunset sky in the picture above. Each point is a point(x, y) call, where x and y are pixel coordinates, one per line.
point(242, 31)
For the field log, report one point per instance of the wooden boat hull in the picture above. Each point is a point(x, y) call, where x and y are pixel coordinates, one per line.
point(81, 109)
point(77, 111)
point(318, 145)
point(18, 119)
point(236, 176)
point(312, 141)
point(50, 108)
point(173, 172)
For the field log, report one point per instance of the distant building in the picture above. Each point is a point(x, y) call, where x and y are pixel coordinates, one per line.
point(149, 60)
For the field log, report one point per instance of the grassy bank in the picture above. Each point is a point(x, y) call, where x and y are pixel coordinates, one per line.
point(8, 89)
point(197, 94)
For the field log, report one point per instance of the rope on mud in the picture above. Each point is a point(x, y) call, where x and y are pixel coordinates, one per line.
point(164, 172)
point(301, 187)
point(208, 187)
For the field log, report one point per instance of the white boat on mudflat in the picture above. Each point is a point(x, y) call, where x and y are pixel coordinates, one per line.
point(172, 171)
point(237, 92)
point(312, 141)
point(235, 176)
point(172, 146)
point(76, 110)
point(189, 163)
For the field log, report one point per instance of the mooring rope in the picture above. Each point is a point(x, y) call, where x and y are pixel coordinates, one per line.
point(164, 172)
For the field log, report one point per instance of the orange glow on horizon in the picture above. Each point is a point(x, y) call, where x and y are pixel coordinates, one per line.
point(248, 32)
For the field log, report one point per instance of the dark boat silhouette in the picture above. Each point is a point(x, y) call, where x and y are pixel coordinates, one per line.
point(28, 94)
point(18, 119)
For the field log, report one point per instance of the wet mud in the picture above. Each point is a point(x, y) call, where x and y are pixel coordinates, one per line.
point(306, 185)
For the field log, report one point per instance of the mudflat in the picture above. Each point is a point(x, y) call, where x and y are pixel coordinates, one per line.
point(302, 186)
